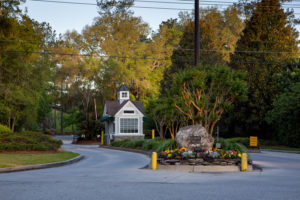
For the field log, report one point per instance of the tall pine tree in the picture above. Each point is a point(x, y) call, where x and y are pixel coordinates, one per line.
point(269, 40)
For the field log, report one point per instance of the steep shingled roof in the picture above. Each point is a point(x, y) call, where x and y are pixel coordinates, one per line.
point(123, 88)
point(112, 107)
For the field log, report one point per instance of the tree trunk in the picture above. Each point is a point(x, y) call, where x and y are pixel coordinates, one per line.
point(62, 120)
point(13, 124)
point(161, 131)
point(8, 122)
point(55, 118)
point(95, 104)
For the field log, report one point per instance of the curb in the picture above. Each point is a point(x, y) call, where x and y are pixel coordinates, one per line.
point(281, 151)
point(41, 166)
point(203, 169)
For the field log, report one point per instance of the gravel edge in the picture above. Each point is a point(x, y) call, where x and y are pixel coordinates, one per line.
point(41, 166)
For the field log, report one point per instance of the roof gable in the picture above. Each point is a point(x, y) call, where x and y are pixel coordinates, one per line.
point(112, 107)
point(123, 88)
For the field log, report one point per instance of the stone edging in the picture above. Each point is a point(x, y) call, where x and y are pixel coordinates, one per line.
point(202, 168)
point(188, 168)
point(41, 166)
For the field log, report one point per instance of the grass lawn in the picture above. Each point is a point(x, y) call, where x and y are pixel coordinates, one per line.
point(280, 148)
point(19, 159)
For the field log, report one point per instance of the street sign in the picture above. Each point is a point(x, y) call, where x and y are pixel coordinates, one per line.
point(253, 141)
point(218, 145)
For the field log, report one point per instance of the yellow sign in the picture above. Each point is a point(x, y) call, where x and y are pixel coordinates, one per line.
point(253, 141)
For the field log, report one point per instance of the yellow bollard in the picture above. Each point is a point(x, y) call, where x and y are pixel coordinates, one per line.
point(102, 137)
point(154, 160)
point(244, 162)
point(153, 134)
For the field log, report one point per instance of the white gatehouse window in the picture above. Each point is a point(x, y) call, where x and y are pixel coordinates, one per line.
point(124, 94)
point(129, 125)
point(128, 111)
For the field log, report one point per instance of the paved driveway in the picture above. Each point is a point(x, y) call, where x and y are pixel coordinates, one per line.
point(109, 174)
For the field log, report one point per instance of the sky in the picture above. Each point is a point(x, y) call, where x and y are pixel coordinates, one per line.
point(63, 17)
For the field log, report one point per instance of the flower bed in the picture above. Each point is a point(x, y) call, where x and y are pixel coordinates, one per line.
point(213, 157)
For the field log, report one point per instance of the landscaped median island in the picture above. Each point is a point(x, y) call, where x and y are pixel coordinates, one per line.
point(171, 157)
point(29, 149)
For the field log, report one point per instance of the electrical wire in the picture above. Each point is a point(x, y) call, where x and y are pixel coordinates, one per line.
point(140, 58)
point(206, 3)
point(140, 7)
point(183, 49)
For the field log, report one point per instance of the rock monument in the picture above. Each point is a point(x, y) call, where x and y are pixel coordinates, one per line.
point(194, 136)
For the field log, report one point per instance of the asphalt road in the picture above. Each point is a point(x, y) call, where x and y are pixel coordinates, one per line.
point(109, 174)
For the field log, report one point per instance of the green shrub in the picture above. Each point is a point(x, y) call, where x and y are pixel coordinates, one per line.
point(239, 147)
point(165, 144)
point(156, 144)
point(224, 143)
point(90, 129)
point(28, 141)
point(232, 144)
point(138, 143)
point(151, 144)
point(117, 143)
point(243, 140)
point(4, 129)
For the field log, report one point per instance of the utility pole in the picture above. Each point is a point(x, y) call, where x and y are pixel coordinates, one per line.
point(197, 34)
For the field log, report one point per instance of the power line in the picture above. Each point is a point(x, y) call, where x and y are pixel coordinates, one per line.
point(163, 2)
point(237, 51)
point(81, 55)
point(141, 7)
point(183, 49)
point(140, 58)
point(93, 4)
point(205, 3)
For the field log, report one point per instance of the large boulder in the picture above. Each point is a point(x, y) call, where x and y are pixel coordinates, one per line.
point(194, 136)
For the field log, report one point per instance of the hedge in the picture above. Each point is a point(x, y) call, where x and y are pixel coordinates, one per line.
point(28, 141)
point(156, 144)
point(159, 145)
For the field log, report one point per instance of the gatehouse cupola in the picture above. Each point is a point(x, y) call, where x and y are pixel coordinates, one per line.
point(123, 93)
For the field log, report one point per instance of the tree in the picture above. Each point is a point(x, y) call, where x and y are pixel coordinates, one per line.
point(219, 33)
point(269, 40)
point(285, 116)
point(43, 109)
point(155, 110)
point(23, 74)
point(165, 116)
point(205, 94)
